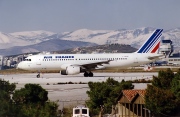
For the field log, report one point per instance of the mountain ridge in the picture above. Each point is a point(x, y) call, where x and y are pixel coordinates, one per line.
point(49, 45)
point(134, 37)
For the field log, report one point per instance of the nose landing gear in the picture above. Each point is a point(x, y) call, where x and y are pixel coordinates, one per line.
point(38, 75)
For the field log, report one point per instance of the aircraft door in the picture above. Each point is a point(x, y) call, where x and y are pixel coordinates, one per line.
point(38, 60)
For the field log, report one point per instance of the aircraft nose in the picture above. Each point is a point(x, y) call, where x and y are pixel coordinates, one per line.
point(20, 66)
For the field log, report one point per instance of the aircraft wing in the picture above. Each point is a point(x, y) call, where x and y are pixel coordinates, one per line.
point(91, 66)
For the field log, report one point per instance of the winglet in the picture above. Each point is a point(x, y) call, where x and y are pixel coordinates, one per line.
point(152, 44)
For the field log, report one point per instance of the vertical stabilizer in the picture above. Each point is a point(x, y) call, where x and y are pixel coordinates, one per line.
point(152, 44)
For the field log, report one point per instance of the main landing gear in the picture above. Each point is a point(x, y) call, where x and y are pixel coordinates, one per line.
point(88, 74)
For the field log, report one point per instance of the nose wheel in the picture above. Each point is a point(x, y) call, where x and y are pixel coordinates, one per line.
point(38, 75)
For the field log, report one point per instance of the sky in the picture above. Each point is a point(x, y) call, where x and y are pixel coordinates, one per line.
point(69, 15)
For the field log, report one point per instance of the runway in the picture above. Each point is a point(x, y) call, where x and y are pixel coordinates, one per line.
point(68, 94)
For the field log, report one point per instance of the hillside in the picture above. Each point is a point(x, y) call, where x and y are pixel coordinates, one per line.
point(108, 48)
point(50, 45)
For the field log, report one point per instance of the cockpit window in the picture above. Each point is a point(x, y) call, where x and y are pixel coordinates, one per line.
point(27, 60)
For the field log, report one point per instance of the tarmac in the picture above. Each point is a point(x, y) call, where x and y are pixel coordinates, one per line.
point(72, 94)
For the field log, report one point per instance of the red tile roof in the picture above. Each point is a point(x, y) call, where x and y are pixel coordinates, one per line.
point(130, 94)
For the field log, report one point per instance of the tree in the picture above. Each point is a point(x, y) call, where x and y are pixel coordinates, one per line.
point(176, 84)
point(6, 90)
point(160, 101)
point(31, 101)
point(105, 94)
point(164, 79)
point(32, 93)
point(162, 97)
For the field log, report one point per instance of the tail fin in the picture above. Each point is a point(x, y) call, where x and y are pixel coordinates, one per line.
point(152, 43)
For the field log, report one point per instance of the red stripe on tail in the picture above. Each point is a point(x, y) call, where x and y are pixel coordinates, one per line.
point(155, 49)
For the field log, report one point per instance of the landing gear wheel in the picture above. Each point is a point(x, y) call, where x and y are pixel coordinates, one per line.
point(38, 76)
point(86, 74)
point(90, 74)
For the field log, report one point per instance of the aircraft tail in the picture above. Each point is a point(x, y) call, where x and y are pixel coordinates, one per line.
point(152, 44)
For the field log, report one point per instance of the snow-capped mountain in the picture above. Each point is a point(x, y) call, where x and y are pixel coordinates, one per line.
point(134, 37)
point(8, 40)
point(32, 36)
point(174, 35)
point(110, 36)
point(84, 35)
point(49, 45)
point(25, 38)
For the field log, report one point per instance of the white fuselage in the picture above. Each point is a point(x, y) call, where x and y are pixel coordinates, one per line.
point(71, 64)
point(61, 61)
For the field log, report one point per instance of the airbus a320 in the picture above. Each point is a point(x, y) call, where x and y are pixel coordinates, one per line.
point(71, 64)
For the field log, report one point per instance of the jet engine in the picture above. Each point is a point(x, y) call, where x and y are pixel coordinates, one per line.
point(71, 70)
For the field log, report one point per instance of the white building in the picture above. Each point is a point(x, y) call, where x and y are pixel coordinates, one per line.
point(167, 48)
point(1, 61)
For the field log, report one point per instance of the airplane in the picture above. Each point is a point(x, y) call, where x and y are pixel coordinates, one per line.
point(72, 64)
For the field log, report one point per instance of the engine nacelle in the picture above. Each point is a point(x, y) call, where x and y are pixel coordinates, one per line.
point(71, 70)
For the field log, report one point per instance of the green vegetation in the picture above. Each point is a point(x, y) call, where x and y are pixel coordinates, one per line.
point(105, 94)
point(30, 101)
point(163, 96)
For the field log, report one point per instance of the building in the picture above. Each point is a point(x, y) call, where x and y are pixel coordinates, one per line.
point(168, 49)
point(1, 62)
point(131, 103)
